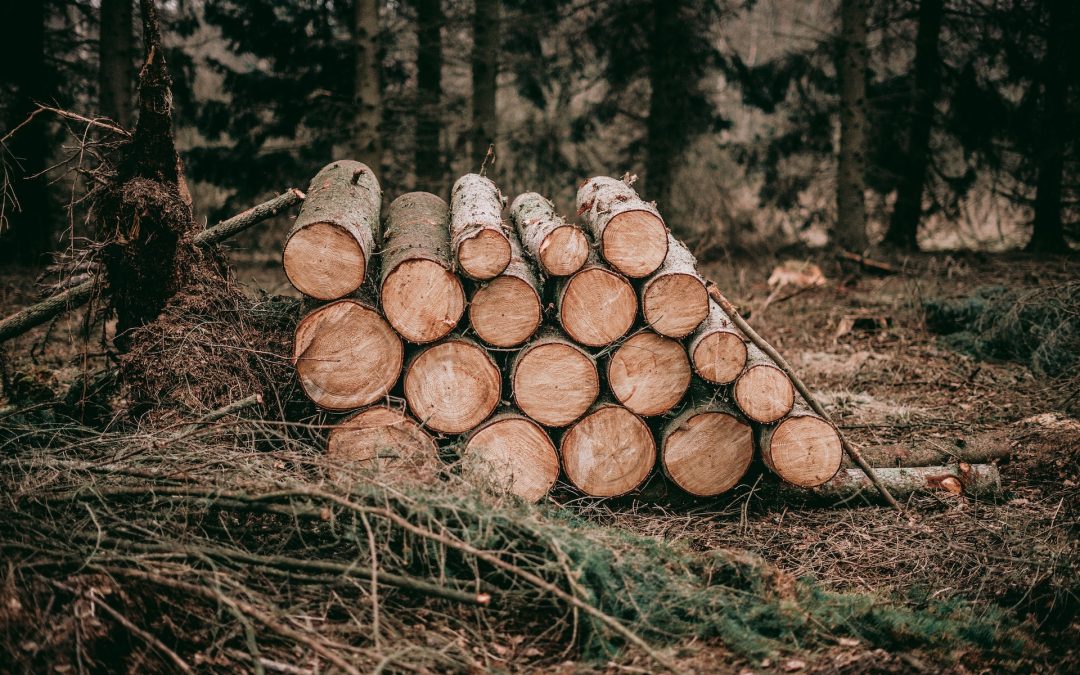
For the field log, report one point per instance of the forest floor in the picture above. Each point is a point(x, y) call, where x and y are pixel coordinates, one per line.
point(1016, 556)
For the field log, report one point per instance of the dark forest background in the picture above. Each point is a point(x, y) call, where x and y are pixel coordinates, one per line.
point(908, 124)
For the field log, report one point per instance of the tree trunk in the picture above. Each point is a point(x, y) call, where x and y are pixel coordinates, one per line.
point(609, 453)
point(1048, 235)
point(850, 176)
point(706, 449)
point(346, 355)
point(649, 373)
point(665, 131)
point(485, 73)
point(512, 453)
point(453, 386)
point(803, 449)
point(387, 440)
point(554, 381)
point(422, 298)
point(367, 84)
point(329, 249)
point(973, 480)
point(595, 305)
point(430, 171)
point(116, 61)
point(506, 311)
point(479, 237)
point(673, 300)
point(763, 392)
point(558, 247)
point(629, 232)
point(717, 350)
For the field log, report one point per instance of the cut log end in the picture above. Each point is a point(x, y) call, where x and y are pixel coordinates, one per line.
point(804, 450)
point(609, 453)
point(514, 455)
point(346, 355)
point(764, 393)
point(384, 439)
point(324, 261)
point(649, 373)
point(485, 255)
point(564, 251)
point(597, 307)
point(422, 300)
point(675, 304)
point(708, 452)
point(555, 383)
point(719, 357)
point(453, 386)
point(635, 243)
point(505, 312)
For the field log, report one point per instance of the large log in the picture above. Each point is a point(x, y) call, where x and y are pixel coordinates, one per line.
point(674, 301)
point(513, 454)
point(629, 231)
point(329, 248)
point(385, 439)
point(558, 247)
point(803, 449)
point(506, 311)
point(706, 449)
point(595, 305)
point(649, 373)
point(717, 350)
point(453, 386)
point(553, 380)
point(609, 452)
point(478, 236)
point(346, 355)
point(762, 391)
point(421, 296)
point(973, 480)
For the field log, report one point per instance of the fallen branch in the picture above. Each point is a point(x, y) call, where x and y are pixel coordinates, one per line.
point(973, 480)
point(224, 411)
point(883, 268)
point(981, 449)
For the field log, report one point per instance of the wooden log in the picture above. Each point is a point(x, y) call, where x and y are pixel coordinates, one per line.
point(329, 248)
point(649, 373)
point(706, 449)
point(512, 453)
point(421, 296)
point(717, 350)
point(558, 247)
point(553, 380)
point(629, 231)
point(346, 355)
point(674, 301)
point(478, 236)
point(982, 448)
point(803, 449)
point(762, 391)
point(595, 305)
point(385, 439)
point(453, 386)
point(973, 480)
point(609, 452)
point(506, 311)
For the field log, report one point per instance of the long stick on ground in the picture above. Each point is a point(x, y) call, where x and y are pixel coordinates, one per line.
point(764, 346)
point(77, 296)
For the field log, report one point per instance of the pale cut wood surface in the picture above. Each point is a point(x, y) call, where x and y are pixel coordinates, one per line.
point(802, 449)
point(609, 453)
point(595, 305)
point(674, 301)
point(649, 373)
point(558, 247)
point(629, 231)
point(554, 381)
point(763, 392)
point(478, 236)
point(717, 350)
point(706, 450)
point(385, 440)
point(452, 386)
point(513, 454)
point(506, 311)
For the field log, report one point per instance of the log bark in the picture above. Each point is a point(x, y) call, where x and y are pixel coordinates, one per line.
point(595, 305)
point(982, 448)
point(649, 373)
point(706, 449)
point(609, 453)
point(973, 480)
point(558, 247)
point(506, 311)
point(479, 238)
point(421, 296)
point(512, 453)
point(717, 350)
point(762, 391)
point(674, 301)
point(629, 231)
point(346, 355)
point(453, 386)
point(803, 449)
point(328, 250)
point(553, 380)
point(385, 439)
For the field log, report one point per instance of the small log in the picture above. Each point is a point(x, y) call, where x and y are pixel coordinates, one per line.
point(706, 449)
point(558, 247)
point(346, 355)
point(478, 236)
point(513, 454)
point(982, 448)
point(629, 231)
point(554, 381)
point(803, 449)
point(329, 248)
point(674, 301)
point(762, 391)
point(421, 296)
point(649, 373)
point(717, 350)
point(595, 305)
point(973, 480)
point(506, 311)
point(453, 386)
point(609, 453)
point(386, 439)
